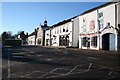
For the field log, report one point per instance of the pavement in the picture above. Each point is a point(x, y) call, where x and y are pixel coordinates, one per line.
point(37, 62)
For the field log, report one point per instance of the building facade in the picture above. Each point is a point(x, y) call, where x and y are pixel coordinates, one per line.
point(48, 37)
point(98, 28)
point(40, 40)
point(63, 34)
point(32, 38)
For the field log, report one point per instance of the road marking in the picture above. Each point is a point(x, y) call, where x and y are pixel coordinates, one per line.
point(91, 58)
point(48, 59)
point(49, 72)
point(77, 72)
point(72, 69)
point(30, 74)
point(32, 52)
point(39, 55)
point(19, 53)
point(61, 58)
point(8, 63)
point(89, 66)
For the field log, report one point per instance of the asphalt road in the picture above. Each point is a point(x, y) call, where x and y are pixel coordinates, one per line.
point(36, 62)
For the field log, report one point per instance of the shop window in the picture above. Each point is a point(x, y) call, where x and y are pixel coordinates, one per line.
point(84, 42)
point(94, 41)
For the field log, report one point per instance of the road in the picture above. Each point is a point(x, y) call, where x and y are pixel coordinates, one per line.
point(36, 62)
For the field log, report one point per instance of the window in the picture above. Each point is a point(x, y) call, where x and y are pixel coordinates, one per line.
point(64, 29)
point(101, 20)
point(101, 25)
point(100, 14)
point(57, 30)
point(60, 29)
point(84, 42)
point(94, 41)
point(84, 25)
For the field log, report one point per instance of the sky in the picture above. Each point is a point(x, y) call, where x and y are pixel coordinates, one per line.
point(26, 16)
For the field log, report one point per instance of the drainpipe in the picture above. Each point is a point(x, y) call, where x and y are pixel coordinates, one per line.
point(50, 36)
point(98, 28)
point(116, 22)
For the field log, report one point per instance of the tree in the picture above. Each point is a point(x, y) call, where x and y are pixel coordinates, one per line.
point(4, 37)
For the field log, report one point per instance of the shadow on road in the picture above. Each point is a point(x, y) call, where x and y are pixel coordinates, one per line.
point(12, 54)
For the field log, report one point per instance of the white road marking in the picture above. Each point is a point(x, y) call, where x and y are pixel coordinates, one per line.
point(72, 69)
point(49, 72)
point(30, 74)
point(61, 58)
point(91, 58)
point(89, 66)
point(19, 53)
point(48, 59)
point(32, 52)
point(8, 63)
point(39, 55)
point(76, 72)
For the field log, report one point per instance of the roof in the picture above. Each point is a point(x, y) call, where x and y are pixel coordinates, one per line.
point(33, 33)
point(62, 22)
point(98, 7)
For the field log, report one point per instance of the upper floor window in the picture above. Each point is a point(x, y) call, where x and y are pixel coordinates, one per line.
point(60, 29)
point(101, 20)
point(64, 29)
point(101, 23)
point(100, 14)
point(57, 30)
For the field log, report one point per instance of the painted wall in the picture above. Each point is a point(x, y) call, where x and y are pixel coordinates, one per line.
point(56, 32)
point(39, 35)
point(119, 13)
point(75, 32)
point(85, 27)
point(118, 8)
point(109, 16)
point(47, 36)
point(31, 40)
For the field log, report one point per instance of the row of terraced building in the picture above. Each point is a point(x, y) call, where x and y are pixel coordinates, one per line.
point(97, 28)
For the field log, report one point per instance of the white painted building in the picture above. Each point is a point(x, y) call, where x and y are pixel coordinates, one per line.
point(40, 40)
point(64, 33)
point(48, 37)
point(98, 28)
point(32, 39)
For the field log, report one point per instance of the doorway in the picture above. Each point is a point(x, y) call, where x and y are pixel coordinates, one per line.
point(108, 41)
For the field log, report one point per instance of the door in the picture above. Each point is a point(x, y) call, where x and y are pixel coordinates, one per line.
point(112, 42)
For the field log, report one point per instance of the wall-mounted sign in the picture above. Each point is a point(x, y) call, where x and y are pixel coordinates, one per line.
point(92, 24)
